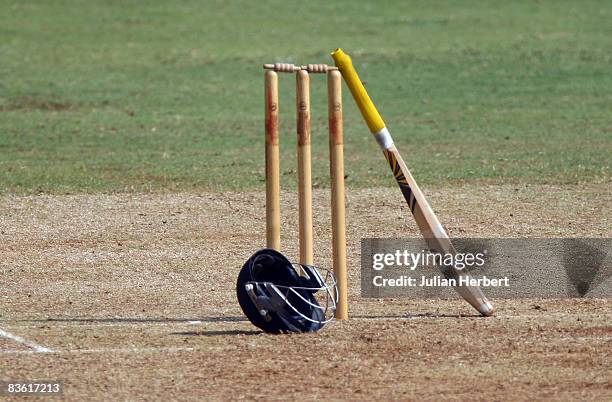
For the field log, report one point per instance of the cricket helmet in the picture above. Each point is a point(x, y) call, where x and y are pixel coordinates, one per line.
point(277, 299)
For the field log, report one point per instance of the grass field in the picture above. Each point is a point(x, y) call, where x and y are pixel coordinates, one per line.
point(152, 96)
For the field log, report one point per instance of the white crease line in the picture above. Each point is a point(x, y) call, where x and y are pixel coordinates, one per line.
point(544, 314)
point(102, 350)
point(103, 324)
point(37, 348)
point(549, 313)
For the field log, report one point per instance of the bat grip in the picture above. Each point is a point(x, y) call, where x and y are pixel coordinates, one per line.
point(363, 100)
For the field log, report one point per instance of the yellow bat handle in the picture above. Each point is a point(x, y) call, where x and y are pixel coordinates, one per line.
point(368, 110)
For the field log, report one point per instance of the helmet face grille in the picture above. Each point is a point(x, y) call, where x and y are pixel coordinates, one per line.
point(276, 299)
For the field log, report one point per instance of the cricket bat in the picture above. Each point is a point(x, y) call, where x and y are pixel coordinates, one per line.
point(432, 230)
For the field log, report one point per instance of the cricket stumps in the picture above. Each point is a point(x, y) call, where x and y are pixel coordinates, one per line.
point(304, 157)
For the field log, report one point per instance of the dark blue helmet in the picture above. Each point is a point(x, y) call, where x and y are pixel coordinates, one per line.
point(277, 299)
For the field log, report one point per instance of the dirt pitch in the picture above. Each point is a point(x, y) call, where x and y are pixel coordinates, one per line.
point(132, 297)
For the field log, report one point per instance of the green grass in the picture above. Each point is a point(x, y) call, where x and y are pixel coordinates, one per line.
point(153, 96)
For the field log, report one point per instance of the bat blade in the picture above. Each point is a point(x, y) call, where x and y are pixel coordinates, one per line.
point(432, 230)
